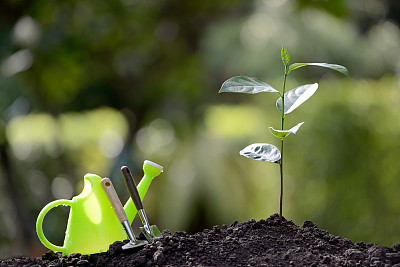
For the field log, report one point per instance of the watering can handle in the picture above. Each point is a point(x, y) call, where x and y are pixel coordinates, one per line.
point(39, 223)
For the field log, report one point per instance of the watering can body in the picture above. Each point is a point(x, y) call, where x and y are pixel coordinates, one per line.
point(92, 224)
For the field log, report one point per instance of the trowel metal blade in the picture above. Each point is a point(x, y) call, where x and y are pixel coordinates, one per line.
point(138, 243)
point(154, 229)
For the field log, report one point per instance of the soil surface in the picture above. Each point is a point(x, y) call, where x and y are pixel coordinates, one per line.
point(267, 242)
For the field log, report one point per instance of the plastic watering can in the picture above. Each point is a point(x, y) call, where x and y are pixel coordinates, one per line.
point(92, 224)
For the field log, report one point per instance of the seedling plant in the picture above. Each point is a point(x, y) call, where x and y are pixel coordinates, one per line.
point(286, 103)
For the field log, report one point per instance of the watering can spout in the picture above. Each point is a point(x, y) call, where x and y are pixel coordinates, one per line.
point(151, 170)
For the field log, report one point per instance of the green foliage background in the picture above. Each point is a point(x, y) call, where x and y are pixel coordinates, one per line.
point(89, 87)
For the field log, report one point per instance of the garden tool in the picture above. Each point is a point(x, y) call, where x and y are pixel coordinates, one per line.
point(150, 172)
point(119, 211)
point(92, 224)
point(151, 232)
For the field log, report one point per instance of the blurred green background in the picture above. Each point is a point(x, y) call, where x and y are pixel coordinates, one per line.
point(86, 87)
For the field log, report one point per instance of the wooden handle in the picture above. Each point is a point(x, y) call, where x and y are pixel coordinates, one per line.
point(130, 184)
point(114, 199)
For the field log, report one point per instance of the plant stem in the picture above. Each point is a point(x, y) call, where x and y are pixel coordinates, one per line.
point(281, 169)
point(282, 127)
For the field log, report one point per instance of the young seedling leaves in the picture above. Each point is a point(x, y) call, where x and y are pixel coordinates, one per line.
point(336, 67)
point(296, 97)
point(283, 133)
point(247, 85)
point(285, 57)
point(287, 102)
point(262, 152)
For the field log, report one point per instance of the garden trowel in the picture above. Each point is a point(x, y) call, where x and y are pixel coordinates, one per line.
point(119, 211)
point(151, 232)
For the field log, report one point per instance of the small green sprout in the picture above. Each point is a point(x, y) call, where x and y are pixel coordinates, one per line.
point(286, 103)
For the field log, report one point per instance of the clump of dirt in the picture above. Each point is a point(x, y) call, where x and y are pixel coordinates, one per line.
point(267, 242)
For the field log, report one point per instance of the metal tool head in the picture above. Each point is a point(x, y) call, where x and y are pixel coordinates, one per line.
point(152, 233)
point(131, 244)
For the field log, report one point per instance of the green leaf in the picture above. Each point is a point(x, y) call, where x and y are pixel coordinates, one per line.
point(296, 97)
point(247, 85)
point(262, 152)
point(285, 56)
point(336, 67)
point(283, 133)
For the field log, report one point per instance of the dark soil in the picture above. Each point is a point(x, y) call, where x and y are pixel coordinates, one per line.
point(253, 243)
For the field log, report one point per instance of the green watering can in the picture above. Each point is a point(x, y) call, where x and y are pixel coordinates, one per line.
point(92, 223)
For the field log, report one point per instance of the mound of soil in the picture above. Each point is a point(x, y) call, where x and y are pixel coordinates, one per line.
point(253, 243)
